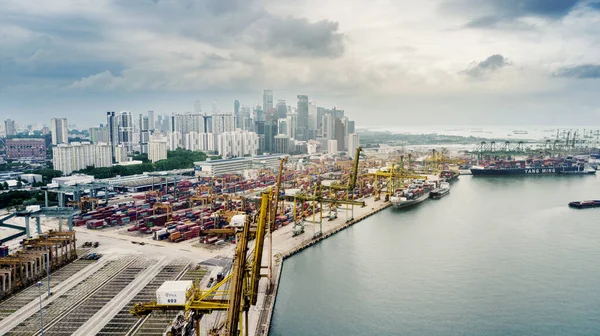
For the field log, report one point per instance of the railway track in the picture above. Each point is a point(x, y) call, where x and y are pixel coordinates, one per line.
point(20, 299)
point(123, 322)
point(57, 309)
point(80, 314)
point(156, 323)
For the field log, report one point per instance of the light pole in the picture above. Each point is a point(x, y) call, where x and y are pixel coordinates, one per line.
point(39, 286)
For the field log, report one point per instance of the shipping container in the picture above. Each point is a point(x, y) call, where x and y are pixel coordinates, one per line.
point(174, 236)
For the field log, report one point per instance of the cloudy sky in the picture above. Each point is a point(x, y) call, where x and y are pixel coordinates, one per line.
point(386, 62)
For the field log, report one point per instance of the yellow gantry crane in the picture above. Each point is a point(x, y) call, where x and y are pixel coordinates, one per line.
point(166, 207)
point(86, 204)
point(393, 175)
point(243, 280)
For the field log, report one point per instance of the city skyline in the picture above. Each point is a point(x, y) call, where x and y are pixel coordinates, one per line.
point(482, 62)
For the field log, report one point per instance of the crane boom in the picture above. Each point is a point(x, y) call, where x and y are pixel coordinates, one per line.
point(352, 180)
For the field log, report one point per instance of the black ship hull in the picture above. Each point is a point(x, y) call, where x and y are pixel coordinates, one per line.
point(530, 171)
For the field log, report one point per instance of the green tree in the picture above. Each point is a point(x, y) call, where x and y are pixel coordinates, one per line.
point(19, 184)
point(5, 185)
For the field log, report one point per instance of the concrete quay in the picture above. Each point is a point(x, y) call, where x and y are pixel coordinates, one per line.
point(285, 246)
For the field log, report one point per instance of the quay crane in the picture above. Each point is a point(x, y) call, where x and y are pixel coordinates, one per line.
point(244, 278)
point(393, 175)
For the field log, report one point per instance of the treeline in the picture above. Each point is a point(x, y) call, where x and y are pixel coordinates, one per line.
point(177, 159)
point(22, 198)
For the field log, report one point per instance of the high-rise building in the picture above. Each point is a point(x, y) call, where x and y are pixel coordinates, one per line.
point(239, 120)
point(80, 155)
point(270, 133)
point(45, 130)
point(9, 127)
point(267, 101)
point(320, 114)
point(237, 143)
point(259, 114)
point(112, 123)
point(281, 144)
point(99, 134)
point(282, 126)
point(350, 126)
point(204, 142)
point(25, 149)
point(126, 130)
point(313, 147)
point(208, 124)
point(281, 109)
point(312, 120)
point(188, 122)
point(353, 143)
point(328, 127)
point(175, 140)
point(157, 149)
point(151, 121)
point(223, 123)
point(292, 119)
point(121, 154)
point(332, 146)
point(59, 130)
point(302, 123)
point(144, 128)
point(340, 133)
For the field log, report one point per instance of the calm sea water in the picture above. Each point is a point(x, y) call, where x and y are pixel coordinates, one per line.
point(498, 256)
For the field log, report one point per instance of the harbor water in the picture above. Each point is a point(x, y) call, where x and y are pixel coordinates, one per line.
point(497, 256)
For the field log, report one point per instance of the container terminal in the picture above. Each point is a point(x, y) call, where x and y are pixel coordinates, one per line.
point(170, 254)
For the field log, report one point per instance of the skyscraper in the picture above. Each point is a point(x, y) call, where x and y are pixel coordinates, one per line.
point(59, 130)
point(144, 133)
point(189, 122)
point(157, 149)
point(281, 109)
point(302, 124)
point(312, 120)
point(151, 121)
point(113, 133)
point(126, 130)
point(222, 123)
point(9, 127)
point(99, 134)
point(328, 127)
point(239, 121)
point(267, 101)
point(353, 143)
point(340, 133)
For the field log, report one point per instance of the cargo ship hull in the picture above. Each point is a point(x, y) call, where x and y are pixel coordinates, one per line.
point(530, 171)
point(401, 204)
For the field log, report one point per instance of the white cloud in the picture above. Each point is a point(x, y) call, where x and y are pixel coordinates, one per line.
point(375, 55)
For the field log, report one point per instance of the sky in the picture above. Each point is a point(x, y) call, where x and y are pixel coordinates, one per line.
point(385, 62)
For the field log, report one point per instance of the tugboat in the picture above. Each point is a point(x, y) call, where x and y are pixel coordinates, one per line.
point(585, 204)
point(440, 192)
point(416, 193)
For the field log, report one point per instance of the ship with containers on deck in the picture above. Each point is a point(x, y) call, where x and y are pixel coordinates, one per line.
point(550, 166)
point(417, 192)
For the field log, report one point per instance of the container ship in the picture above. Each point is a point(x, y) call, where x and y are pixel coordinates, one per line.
point(416, 193)
point(534, 167)
point(449, 175)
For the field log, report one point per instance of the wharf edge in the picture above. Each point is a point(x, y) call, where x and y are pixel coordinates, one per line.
point(266, 316)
